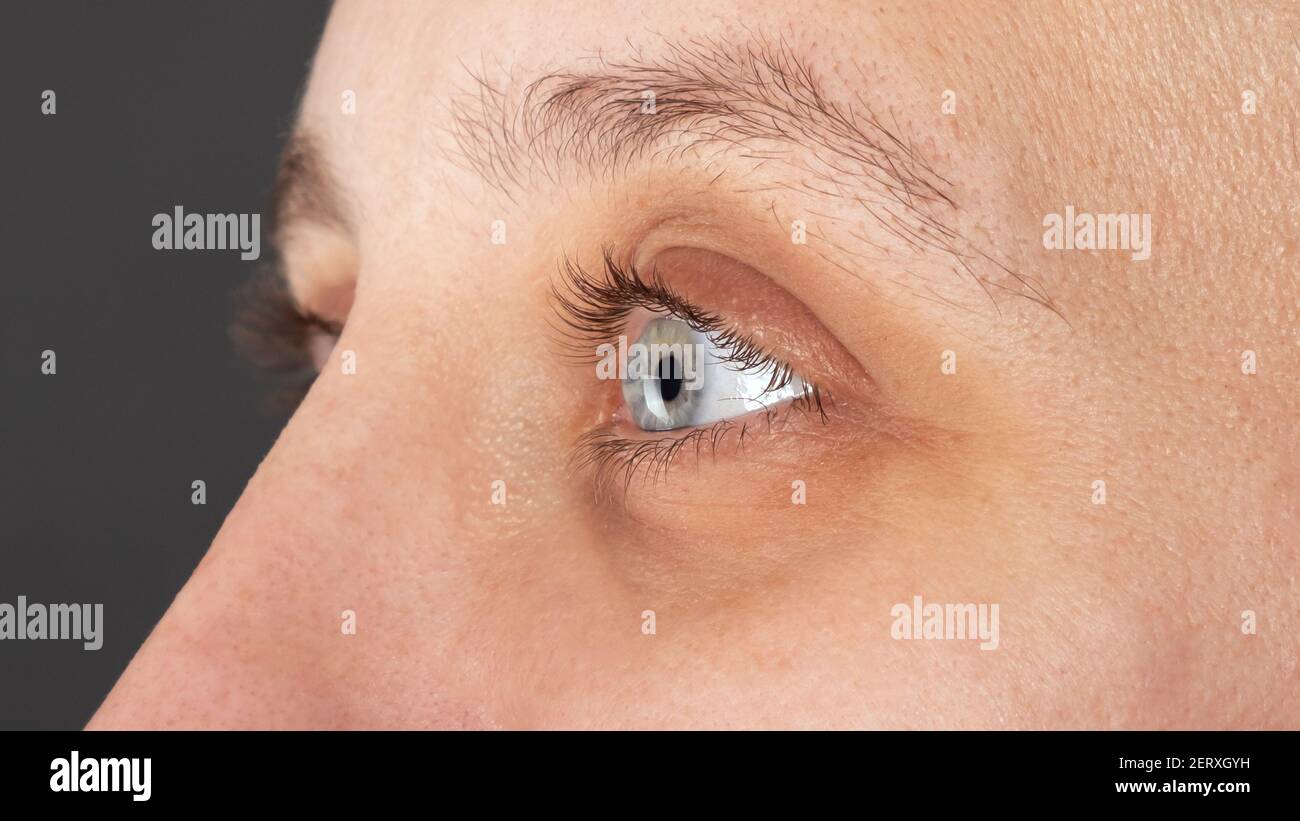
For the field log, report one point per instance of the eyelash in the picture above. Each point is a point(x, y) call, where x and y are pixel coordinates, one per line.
point(273, 333)
point(594, 309)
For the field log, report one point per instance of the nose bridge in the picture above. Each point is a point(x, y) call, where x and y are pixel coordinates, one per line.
point(436, 386)
point(328, 568)
point(370, 532)
point(467, 361)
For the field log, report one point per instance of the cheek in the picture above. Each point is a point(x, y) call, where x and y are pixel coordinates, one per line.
point(1282, 508)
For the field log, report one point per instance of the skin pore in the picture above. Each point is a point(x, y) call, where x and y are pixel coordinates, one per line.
point(924, 237)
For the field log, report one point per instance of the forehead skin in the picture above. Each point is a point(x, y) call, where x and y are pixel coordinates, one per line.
point(1073, 367)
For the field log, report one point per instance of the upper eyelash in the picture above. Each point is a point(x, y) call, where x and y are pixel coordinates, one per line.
point(594, 310)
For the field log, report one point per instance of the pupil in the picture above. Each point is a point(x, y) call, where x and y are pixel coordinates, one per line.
point(669, 384)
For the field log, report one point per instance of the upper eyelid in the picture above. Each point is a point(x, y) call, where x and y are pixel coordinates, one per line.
point(594, 310)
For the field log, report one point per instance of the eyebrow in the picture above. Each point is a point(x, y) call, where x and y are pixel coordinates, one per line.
point(759, 99)
point(305, 189)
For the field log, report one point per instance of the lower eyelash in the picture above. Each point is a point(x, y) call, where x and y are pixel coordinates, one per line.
point(617, 462)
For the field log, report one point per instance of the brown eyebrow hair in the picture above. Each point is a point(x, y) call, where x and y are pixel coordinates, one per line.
point(760, 99)
point(305, 188)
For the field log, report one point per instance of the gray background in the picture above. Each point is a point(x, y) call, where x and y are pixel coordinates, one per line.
point(159, 104)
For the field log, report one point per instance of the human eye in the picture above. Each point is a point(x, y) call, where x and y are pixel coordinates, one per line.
point(287, 342)
point(675, 375)
point(688, 380)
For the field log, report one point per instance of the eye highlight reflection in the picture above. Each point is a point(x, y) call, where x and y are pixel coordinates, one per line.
point(678, 377)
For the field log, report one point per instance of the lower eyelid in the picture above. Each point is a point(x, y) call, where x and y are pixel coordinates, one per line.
point(619, 464)
point(620, 458)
